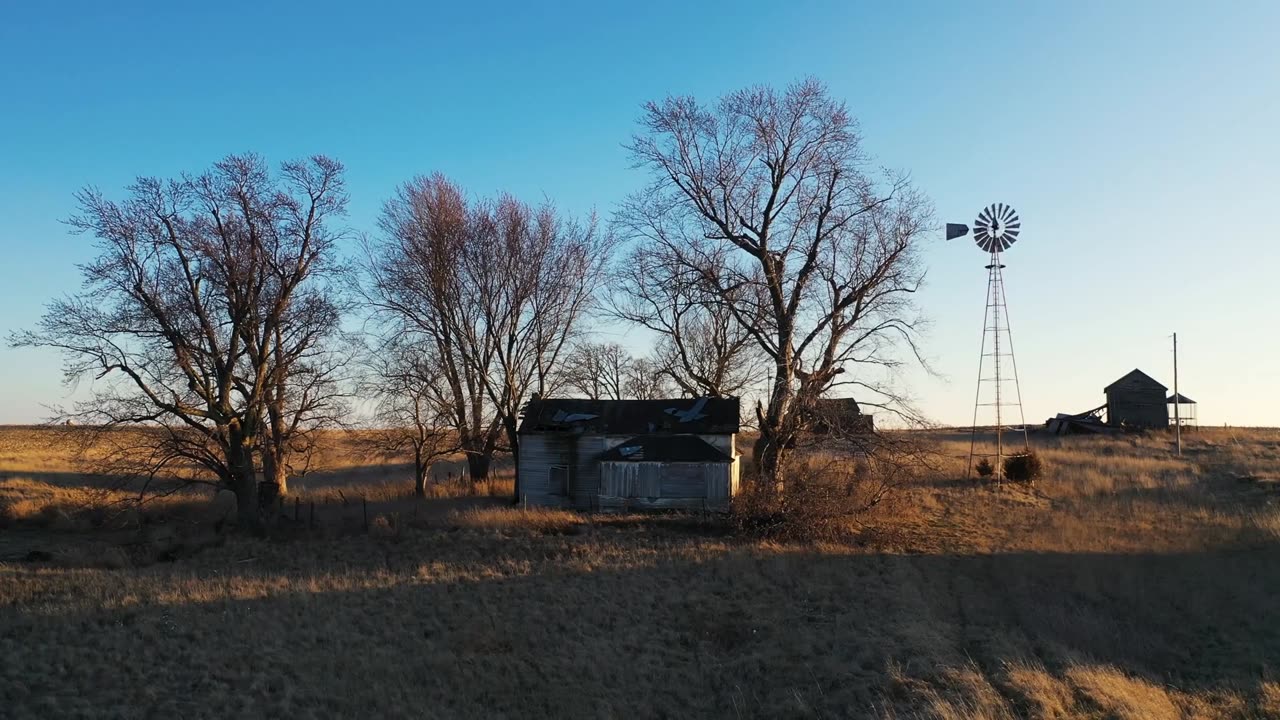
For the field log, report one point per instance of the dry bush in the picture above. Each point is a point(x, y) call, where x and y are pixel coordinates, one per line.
point(536, 520)
point(1023, 467)
point(828, 495)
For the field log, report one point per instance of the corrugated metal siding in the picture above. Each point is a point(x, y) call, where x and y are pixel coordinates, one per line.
point(722, 482)
point(685, 480)
point(630, 479)
point(618, 485)
point(668, 481)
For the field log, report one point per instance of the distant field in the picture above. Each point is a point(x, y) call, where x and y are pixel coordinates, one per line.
point(1128, 583)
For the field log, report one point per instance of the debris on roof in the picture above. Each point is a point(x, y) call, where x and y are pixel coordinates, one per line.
point(632, 417)
point(666, 448)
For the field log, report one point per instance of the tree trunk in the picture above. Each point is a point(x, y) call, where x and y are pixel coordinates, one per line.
point(275, 471)
point(513, 439)
point(478, 465)
point(244, 481)
point(770, 456)
point(771, 447)
point(419, 474)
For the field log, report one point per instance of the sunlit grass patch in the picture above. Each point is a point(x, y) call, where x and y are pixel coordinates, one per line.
point(540, 520)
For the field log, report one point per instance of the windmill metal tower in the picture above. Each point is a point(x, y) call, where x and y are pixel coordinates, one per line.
point(995, 231)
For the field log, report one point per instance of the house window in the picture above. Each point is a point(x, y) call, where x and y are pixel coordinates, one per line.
point(558, 480)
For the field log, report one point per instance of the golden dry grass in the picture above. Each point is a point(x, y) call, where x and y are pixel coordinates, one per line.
point(1126, 584)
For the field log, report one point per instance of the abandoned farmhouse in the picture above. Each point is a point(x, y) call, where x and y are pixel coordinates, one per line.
point(629, 454)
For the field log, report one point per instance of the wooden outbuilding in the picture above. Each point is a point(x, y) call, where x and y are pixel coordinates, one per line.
point(629, 454)
point(1137, 401)
point(1186, 410)
point(841, 417)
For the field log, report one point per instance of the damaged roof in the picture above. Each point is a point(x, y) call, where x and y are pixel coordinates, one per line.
point(713, 416)
point(666, 448)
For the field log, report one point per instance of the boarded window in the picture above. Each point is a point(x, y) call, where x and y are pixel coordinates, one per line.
point(558, 480)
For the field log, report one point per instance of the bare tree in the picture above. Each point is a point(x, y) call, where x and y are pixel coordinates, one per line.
point(195, 280)
point(534, 275)
point(307, 392)
point(765, 200)
point(420, 297)
point(647, 380)
point(410, 417)
point(701, 348)
point(598, 371)
point(494, 290)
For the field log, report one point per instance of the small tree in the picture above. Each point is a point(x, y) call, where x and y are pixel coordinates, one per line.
point(410, 416)
point(647, 380)
point(598, 371)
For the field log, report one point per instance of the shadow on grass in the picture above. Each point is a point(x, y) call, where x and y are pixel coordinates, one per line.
point(456, 624)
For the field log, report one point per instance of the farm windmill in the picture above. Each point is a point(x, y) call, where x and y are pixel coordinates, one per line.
point(995, 231)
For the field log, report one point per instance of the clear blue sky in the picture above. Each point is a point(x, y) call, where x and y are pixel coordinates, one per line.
point(1138, 141)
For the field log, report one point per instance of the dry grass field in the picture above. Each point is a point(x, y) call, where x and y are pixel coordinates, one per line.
point(1128, 583)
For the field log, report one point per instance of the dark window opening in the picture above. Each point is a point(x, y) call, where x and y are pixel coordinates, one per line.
point(558, 480)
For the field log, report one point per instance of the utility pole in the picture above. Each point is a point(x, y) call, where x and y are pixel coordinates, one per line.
point(1177, 399)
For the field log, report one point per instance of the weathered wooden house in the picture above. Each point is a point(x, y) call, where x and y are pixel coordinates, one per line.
point(841, 417)
point(1137, 401)
point(629, 454)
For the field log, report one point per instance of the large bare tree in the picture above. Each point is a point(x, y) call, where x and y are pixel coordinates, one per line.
point(420, 296)
point(494, 289)
point(765, 199)
point(201, 288)
point(701, 347)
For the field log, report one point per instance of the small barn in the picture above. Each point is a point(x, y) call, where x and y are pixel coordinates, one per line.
point(841, 417)
point(629, 454)
point(1137, 401)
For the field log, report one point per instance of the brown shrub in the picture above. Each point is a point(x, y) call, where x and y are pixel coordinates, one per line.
point(1023, 467)
point(823, 499)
